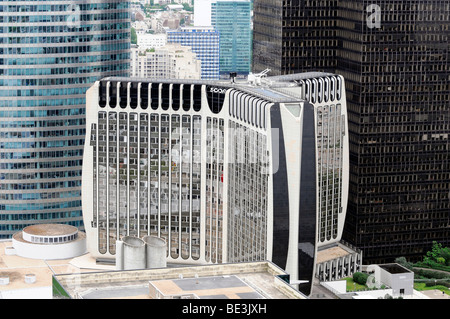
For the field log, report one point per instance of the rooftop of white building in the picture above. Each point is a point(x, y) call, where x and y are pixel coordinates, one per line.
point(271, 88)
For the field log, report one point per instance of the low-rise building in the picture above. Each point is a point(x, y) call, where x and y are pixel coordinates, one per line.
point(337, 260)
point(400, 279)
point(252, 280)
point(151, 41)
point(48, 241)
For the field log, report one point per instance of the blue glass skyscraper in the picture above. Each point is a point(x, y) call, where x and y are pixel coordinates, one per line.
point(204, 42)
point(50, 54)
point(232, 18)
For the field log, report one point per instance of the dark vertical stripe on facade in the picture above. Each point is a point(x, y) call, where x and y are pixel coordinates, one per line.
point(308, 210)
point(280, 193)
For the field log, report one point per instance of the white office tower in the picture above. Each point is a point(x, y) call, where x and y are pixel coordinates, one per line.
point(222, 171)
point(202, 13)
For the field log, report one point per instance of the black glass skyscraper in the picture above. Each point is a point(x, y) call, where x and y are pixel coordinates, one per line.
point(394, 56)
point(294, 35)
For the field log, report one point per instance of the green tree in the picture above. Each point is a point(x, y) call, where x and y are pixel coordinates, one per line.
point(436, 254)
point(445, 253)
point(187, 7)
point(360, 278)
point(133, 36)
point(435, 250)
point(403, 262)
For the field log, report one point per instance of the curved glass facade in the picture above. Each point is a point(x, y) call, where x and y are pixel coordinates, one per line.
point(50, 54)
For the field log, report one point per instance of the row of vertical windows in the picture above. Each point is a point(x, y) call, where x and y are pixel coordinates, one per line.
point(147, 179)
point(50, 240)
point(38, 61)
point(322, 90)
point(150, 95)
point(247, 194)
point(330, 128)
point(39, 206)
point(120, 45)
point(7, 229)
point(248, 108)
point(62, 7)
point(214, 189)
point(35, 165)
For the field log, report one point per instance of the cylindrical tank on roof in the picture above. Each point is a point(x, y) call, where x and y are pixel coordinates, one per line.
point(4, 280)
point(30, 278)
point(10, 251)
point(119, 255)
point(133, 253)
point(156, 252)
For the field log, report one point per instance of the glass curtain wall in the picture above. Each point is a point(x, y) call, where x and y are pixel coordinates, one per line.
point(50, 54)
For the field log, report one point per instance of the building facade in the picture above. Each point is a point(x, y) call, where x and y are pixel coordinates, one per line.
point(204, 42)
point(151, 41)
point(235, 35)
point(222, 172)
point(294, 36)
point(172, 61)
point(394, 58)
point(399, 124)
point(50, 55)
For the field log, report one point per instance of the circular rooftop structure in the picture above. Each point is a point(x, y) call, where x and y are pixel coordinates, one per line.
point(49, 233)
point(49, 241)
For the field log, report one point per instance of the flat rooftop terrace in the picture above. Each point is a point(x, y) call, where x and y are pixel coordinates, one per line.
point(333, 251)
point(15, 268)
point(216, 287)
point(255, 280)
point(82, 277)
point(395, 268)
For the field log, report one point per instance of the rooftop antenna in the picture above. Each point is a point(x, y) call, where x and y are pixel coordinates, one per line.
point(255, 79)
point(233, 75)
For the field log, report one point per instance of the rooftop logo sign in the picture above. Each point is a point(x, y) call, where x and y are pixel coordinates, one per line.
point(215, 96)
point(217, 90)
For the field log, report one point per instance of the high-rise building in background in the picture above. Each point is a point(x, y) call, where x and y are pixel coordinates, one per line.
point(294, 35)
point(204, 42)
point(394, 57)
point(172, 61)
point(235, 35)
point(50, 55)
point(223, 172)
